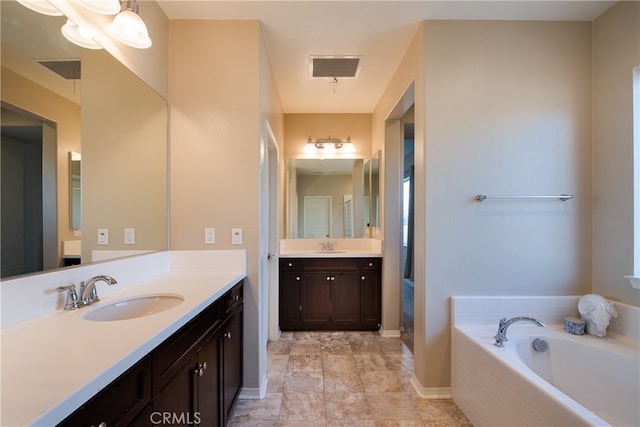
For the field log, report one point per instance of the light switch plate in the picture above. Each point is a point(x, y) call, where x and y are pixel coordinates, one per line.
point(103, 236)
point(236, 236)
point(209, 236)
point(129, 236)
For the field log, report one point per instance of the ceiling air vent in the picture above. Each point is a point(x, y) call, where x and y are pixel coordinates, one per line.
point(67, 69)
point(334, 66)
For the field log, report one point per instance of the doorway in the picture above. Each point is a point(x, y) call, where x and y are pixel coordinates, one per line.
point(407, 250)
point(29, 216)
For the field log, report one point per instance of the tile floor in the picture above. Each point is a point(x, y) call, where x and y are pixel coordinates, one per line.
point(355, 379)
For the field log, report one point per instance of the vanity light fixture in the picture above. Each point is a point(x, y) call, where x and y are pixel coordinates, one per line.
point(80, 36)
point(103, 7)
point(129, 28)
point(330, 145)
point(41, 6)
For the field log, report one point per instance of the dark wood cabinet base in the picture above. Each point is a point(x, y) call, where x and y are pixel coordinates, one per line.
point(330, 294)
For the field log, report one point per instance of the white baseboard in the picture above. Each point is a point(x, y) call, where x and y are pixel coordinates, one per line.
point(431, 392)
point(391, 333)
point(255, 393)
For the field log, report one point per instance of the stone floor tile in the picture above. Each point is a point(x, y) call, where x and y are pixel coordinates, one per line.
point(341, 407)
point(303, 407)
point(305, 363)
point(303, 382)
point(342, 381)
point(339, 362)
point(381, 382)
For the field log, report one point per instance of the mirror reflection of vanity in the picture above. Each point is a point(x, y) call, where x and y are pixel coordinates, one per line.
point(108, 116)
point(331, 198)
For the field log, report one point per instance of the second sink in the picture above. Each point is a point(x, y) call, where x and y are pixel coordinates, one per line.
point(134, 307)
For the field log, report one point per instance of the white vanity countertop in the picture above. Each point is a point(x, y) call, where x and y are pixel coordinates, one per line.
point(330, 254)
point(54, 363)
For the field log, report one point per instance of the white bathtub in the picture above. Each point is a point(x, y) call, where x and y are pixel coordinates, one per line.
point(578, 381)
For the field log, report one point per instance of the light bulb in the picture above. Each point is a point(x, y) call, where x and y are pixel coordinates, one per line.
point(80, 36)
point(130, 29)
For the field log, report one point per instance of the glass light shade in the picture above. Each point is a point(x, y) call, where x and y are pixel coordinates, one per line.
point(41, 6)
point(104, 7)
point(80, 36)
point(130, 29)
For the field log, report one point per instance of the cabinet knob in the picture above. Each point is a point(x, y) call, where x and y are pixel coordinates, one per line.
point(328, 277)
point(204, 366)
point(236, 297)
point(370, 264)
point(363, 278)
point(227, 334)
point(297, 277)
point(290, 264)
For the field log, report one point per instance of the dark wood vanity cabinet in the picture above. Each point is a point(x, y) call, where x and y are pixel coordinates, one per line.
point(193, 378)
point(120, 402)
point(330, 293)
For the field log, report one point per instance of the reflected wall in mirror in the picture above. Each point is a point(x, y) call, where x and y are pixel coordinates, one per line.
point(121, 134)
point(75, 190)
point(371, 176)
point(325, 198)
point(374, 196)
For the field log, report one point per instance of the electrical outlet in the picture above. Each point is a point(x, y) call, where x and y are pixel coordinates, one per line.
point(209, 236)
point(103, 236)
point(129, 236)
point(236, 236)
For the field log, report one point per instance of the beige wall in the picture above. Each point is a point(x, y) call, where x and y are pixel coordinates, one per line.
point(505, 109)
point(616, 50)
point(299, 127)
point(219, 111)
point(29, 96)
point(124, 157)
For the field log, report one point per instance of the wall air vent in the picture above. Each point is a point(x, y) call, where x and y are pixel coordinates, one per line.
point(334, 66)
point(67, 69)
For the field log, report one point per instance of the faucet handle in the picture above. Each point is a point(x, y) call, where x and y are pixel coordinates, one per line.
point(72, 302)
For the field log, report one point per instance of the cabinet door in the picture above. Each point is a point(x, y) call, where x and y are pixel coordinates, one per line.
point(208, 381)
point(177, 398)
point(345, 300)
point(290, 299)
point(316, 300)
point(231, 342)
point(371, 300)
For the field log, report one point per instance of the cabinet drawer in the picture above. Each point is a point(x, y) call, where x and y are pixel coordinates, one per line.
point(332, 264)
point(371, 263)
point(120, 402)
point(233, 298)
point(167, 357)
point(291, 264)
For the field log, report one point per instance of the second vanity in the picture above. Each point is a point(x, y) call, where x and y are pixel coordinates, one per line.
point(330, 284)
point(55, 363)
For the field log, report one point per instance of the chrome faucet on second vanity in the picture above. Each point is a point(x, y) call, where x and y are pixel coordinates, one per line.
point(327, 246)
point(88, 292)
point(501, 335)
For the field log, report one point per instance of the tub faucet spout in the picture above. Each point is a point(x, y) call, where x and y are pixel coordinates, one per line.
point(501, 335)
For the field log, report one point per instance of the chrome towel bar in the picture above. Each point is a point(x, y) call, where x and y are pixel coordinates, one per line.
point(562, 197)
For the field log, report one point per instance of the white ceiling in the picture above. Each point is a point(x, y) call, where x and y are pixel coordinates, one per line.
point(380, 31)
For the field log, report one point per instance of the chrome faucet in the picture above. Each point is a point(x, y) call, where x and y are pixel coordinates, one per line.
point(88, 291)
point(327, 246)
point(501, 335)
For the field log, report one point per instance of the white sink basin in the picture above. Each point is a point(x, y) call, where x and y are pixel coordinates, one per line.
point(131, 308)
